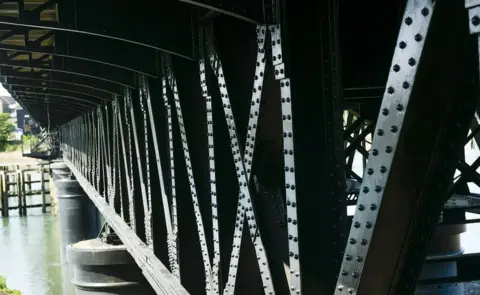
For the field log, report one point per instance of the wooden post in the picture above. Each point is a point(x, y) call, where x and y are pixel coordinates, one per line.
point(20, 189)
point(42, 184)
point(5, 192)
point(2, 199)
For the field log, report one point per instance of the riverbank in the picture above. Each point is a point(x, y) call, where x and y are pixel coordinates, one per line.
point(15, 158)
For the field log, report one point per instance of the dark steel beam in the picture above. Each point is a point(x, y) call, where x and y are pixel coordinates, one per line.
point(49, 91)
point(75, 67)
point(165, 26)
point(79, 108)
point(249, 10)
point(66, 99)
point(63, 78)
point(56, 86)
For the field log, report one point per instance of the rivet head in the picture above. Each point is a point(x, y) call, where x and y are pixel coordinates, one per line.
point(396, 68)
point(353, 241)
point(390, 90)
point(373, 207)
point(361, 207)
point(375, 152)
point(408, 21)
point(418, 37)
point(425, 11)
point(402, 45)
point(365, 189)
point(399, 107)
point(412, 61)
point(383, 169)
point(370, 171)
point(356, 224)
point(476, 20)
point(385, 112)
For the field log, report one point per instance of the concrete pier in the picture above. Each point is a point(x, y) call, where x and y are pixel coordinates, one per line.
point(102, 269)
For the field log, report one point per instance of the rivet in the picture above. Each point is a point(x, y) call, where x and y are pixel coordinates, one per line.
point(399, 107)
point(375, 152)
point(366, 189)
point(352, 241)
point(390, 90)
point(394, 129)
point(402, 45)
point(373, 207)
point(425, 11)
point(370, 171)
point(383, 169)
point(412, 62)
point(396, 68)
point(476, 20)
point(378, 188)
point(361, 207)
point(388, 149)
point(385, 111)
point(380, 132)
point(356, 224)
point(418, 37)
point(408, 21)
point(405, 85)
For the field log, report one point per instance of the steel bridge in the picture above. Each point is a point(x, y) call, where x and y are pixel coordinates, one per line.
point(217, 137)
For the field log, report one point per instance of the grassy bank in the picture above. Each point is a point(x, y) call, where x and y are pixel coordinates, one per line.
point(5, 290)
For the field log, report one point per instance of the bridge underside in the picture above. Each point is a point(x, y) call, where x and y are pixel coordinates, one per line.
point(224, 140)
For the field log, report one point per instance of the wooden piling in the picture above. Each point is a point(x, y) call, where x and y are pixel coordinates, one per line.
point(42, 184)
point(20, 190)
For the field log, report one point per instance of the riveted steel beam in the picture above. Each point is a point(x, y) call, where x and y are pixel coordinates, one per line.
point(424, 118)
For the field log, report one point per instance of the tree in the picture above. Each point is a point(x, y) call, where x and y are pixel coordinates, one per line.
point(6, 127)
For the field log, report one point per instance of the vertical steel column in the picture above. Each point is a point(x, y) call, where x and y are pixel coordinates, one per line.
point(312, 60)
point(424, 118)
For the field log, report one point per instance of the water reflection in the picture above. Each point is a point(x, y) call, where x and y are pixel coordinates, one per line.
point(30, 254)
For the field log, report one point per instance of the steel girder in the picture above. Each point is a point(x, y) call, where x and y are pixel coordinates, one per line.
point(423, 122)
point(65, 78)
point(147, 25)
point(74, 67)
point(79, 46)
point(12, 81)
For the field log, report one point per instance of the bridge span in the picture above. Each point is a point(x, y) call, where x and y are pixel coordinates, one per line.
point(219, 139)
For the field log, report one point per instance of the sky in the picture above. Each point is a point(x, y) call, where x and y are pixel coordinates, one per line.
point(3, 91)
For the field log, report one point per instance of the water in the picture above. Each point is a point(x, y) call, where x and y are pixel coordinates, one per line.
point(30, 250)
point(30, 254)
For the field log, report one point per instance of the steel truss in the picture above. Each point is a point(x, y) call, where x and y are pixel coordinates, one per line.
point(213, 193)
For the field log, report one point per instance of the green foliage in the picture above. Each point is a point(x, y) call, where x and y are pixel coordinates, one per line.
point(6, 127)
point(4, 289)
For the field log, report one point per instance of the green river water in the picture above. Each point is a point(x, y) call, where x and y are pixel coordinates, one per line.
point(30, 254)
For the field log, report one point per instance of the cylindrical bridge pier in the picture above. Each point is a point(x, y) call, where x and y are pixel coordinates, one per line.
point(102, 269)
